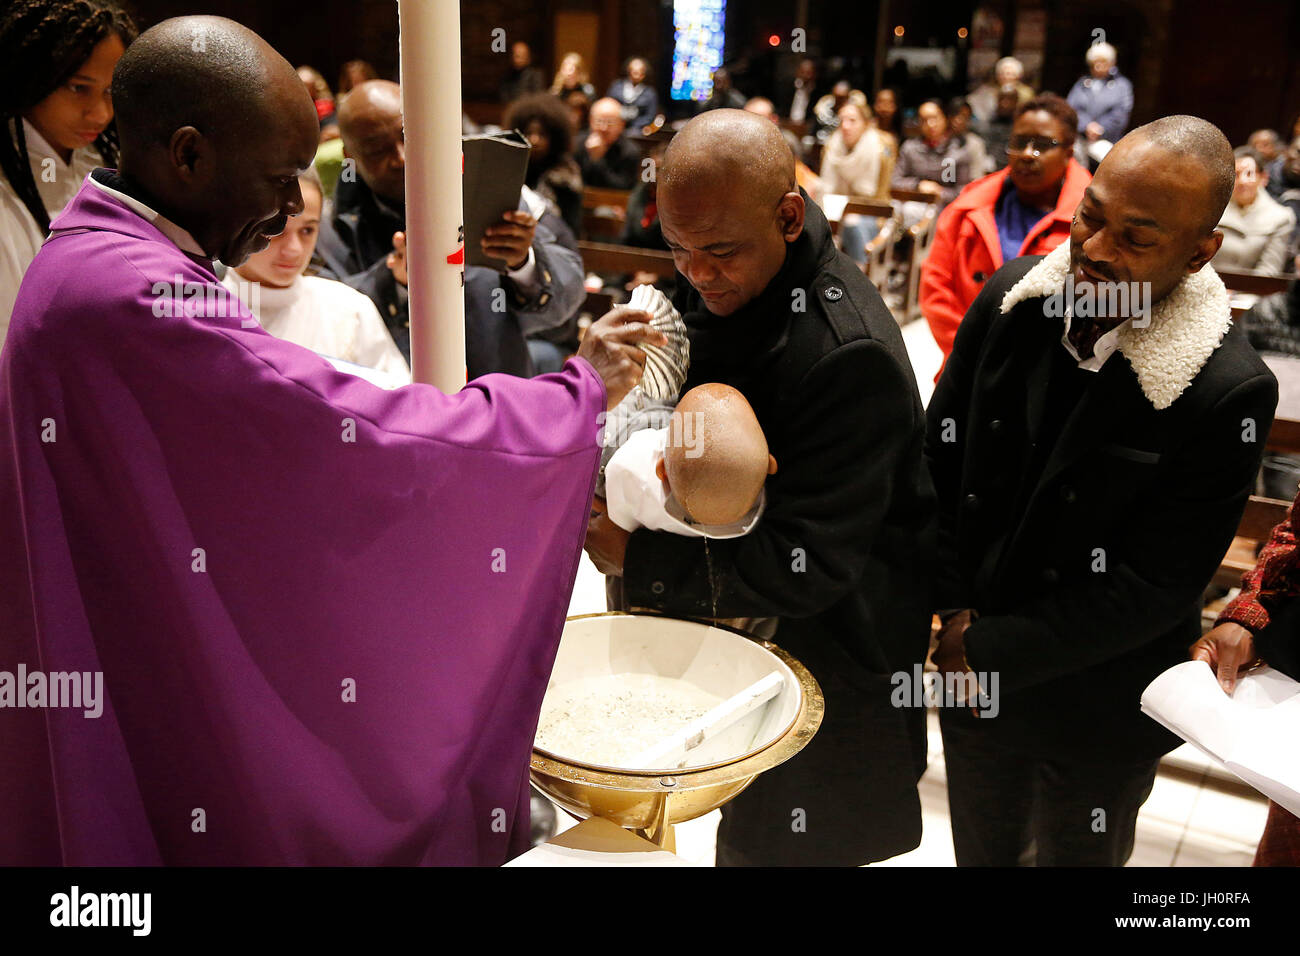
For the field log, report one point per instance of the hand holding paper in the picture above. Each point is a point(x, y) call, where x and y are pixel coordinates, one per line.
point(1253, 733)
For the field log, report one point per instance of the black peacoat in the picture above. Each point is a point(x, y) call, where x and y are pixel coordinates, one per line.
point(1088, 574)
point(842, 555)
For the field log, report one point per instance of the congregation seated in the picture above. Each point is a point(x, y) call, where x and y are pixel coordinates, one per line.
point(888, 119)
point(936, 161)
point(826, 111)
point(996, 130)
point(606, 159)
point(857, 162)
point(1103, 99)
point(572, 77)
point(1027, 207)
point(323, 100)
point(523, 78)
point(1268, 144)
point(1273, 322)
point(1008, 72)
point(541, 287)
point(1284, 186)
point(796, 99)
point(552, 173)
point(959, 120)
point(856, 154)
point(635, 94)
point(723, 96)
point(1256, 228)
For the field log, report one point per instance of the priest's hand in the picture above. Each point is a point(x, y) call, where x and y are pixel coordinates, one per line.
point(610, 345)
point(511, 238)
point(397, 258)
point(1228, 649)
point(606, 543)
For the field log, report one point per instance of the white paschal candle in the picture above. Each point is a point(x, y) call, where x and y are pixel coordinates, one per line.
point(431, 110)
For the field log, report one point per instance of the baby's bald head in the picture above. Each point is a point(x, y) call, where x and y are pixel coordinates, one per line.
point(716, 459)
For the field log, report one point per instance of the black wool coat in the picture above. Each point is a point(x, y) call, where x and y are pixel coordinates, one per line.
point(841, 556)
point(1089, 583)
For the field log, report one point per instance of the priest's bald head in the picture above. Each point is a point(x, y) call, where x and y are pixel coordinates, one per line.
point(215, 127)
point(729, 206)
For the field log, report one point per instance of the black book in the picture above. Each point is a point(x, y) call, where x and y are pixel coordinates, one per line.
point(495, 165)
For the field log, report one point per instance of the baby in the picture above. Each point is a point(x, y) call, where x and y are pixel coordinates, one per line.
point(701, 475)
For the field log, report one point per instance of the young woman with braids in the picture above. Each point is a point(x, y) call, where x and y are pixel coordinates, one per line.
point(56, 66)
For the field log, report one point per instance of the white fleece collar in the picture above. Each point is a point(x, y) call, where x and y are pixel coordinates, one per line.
point(1186, 326)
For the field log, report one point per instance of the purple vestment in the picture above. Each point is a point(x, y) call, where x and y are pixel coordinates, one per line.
point(235, 534)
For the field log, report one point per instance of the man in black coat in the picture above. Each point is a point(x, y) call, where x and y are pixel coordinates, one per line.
point(1086, 499)
point(842, 555)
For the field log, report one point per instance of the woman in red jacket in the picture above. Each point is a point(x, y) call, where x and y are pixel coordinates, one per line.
point(1022, 210)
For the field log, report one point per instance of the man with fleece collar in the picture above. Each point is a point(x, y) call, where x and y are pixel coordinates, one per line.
point(1086, 499)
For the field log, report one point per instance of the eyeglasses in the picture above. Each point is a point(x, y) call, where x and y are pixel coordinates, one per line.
point(1037, 145)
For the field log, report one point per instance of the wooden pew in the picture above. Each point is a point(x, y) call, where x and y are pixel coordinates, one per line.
point(1256, 283)
point(1284, 436)
point(603, 212)
point(1252, 283)
point(922, 235)
point(1257, 523)
point(608, 258)
point(876, 266)
point(1261, 513)
point(594, 197)
point(860, 206)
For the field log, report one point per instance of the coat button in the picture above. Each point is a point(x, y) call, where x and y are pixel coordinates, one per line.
point(834, 293)
point(545, 298)
point(973, 502)
point(979, 277)
point(1068, 495)
point(1051, 576)
point(657, 587)
point(995, 425)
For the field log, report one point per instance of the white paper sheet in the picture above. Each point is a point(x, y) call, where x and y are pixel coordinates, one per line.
point(1255, 733)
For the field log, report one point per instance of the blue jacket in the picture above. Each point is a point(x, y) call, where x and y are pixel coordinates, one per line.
point(641, 111)
point(1108, 102)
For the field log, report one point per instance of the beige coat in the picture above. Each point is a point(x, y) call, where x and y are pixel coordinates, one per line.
point(1255, 237)
point(855, 172)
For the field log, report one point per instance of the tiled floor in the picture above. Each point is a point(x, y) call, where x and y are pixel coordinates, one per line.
point(1197, 814)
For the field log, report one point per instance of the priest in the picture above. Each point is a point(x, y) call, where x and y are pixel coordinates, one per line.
point(324, 614)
